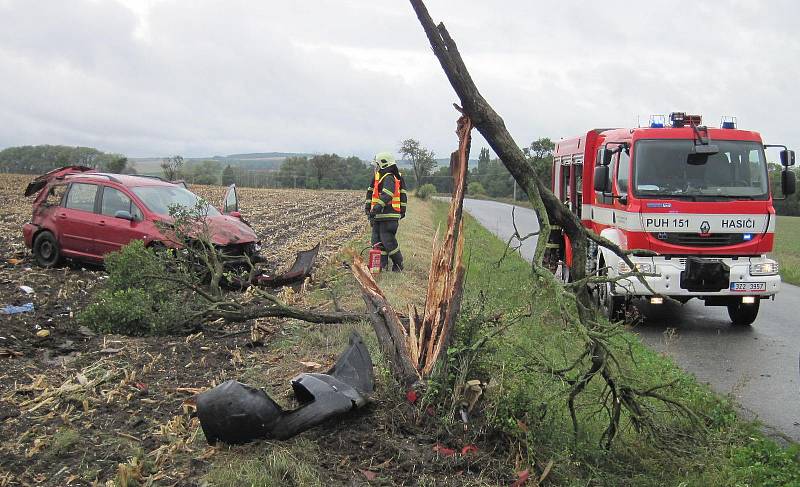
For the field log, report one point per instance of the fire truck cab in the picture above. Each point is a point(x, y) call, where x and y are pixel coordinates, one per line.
point(697, 199)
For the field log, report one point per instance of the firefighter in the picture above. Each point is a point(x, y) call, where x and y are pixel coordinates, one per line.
point(385, 206)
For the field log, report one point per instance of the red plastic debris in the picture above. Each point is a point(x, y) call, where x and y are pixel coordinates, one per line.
point(443, 450)
point(369, 474)
point(411, 396)
point(522, 478)
point(469, 449)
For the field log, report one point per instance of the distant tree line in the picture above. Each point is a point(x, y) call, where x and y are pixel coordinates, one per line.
point(490, 177)
point(789, 206)
point(38, 159)
point(323, 171)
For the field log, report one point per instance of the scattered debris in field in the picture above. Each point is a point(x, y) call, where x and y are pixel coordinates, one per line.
point(237, 413)
point(12, 310)
point(301, 269)
point(130, 420)
point(369, 475)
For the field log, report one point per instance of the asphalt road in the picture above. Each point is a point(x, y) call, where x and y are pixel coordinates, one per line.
point(757, 365)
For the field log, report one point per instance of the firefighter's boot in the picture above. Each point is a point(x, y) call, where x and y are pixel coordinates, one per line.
point(397, 262)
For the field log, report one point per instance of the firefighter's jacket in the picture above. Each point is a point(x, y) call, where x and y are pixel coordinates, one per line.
point(388, 194)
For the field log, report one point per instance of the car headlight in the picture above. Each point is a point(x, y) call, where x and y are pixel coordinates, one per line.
point(643, 267)
point(767, 268)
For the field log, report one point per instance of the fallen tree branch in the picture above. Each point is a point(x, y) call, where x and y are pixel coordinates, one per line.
point(597, 359)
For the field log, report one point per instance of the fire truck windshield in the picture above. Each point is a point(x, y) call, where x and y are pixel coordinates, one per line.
point(671, 168)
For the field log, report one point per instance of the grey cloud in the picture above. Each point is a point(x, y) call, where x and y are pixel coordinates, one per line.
point(216, 77)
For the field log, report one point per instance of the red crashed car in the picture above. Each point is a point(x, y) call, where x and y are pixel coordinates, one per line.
point(84, 214)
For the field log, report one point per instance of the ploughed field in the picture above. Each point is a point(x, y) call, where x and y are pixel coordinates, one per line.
point(76, 407)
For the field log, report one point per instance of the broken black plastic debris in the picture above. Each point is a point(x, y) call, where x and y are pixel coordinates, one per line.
point(301, 268)
point(237, 413)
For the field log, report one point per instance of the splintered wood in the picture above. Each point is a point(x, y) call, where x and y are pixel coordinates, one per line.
point(420, 344)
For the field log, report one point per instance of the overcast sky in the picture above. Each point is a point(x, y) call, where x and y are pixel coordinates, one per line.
point(197, 78)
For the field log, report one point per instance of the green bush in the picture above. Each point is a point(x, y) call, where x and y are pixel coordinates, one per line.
point(763, 462)
point(135, 300)
point(425, 191)
point(476, 189)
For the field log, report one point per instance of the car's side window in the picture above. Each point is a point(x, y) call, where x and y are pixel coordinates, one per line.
point(114, 200)
point(81, 196)
point(55, 195)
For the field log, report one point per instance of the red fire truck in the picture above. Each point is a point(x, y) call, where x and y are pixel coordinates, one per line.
point(698, 197)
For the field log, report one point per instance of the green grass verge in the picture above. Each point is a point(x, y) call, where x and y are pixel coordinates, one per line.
point(787, 248)
point(530, 406)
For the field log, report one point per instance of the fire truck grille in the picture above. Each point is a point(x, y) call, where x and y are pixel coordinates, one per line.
point(697, 240)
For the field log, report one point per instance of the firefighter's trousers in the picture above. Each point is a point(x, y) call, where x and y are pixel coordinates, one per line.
point(385, 232)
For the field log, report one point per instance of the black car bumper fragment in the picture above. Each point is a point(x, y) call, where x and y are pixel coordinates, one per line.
point(237, 413)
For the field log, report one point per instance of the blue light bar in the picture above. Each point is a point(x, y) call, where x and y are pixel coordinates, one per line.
point(747, 236)
point(657, 121)
point(728, 122)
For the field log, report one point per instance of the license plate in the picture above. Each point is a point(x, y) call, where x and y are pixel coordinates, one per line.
point(748, 287)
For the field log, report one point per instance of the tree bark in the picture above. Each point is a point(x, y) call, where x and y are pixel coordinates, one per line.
point(392, 335)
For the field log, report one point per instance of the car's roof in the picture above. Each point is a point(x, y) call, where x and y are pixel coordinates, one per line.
point(128, 180)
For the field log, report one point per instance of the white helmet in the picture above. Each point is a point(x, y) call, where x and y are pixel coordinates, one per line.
point(384, 160)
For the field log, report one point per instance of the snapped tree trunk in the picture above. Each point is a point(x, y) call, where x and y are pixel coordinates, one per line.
point(414, 349)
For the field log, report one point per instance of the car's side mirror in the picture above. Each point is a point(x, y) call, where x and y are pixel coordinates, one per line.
point(125, 215)
point(601, 179)
point(787, 157)
point(788, 182)
point(235, 214)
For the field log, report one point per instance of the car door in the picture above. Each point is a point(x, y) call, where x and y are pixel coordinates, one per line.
point(77, 219)
point(230, 202)
point(120, 221)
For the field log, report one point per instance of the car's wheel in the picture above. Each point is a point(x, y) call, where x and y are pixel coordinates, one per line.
point(46, 250)
point(743, 314)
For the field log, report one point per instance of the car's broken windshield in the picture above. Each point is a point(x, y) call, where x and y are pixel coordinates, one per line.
point(670, 168)
point(159, 199)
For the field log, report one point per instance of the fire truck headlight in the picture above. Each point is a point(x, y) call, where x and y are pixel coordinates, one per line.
point(643, 267)
point(766, 268)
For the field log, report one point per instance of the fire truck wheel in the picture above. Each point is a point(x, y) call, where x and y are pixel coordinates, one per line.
point(610, 306)
point(743, 314)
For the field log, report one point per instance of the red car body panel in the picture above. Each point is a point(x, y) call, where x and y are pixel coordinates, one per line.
point(90, 235)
